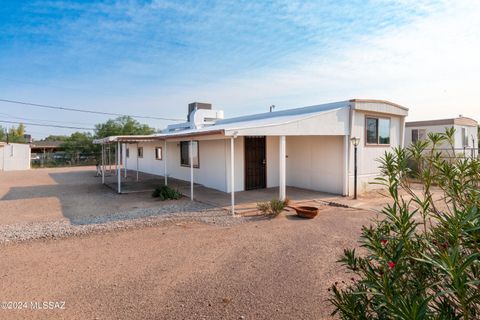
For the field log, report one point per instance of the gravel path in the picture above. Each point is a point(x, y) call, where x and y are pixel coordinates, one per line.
point(182, 211)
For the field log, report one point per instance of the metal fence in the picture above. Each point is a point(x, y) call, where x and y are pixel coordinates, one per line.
point(456, 153)
point(62, 159)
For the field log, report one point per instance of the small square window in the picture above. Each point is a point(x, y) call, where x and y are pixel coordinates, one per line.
point(140, 152)
point(158, 153)
point(418, 135)
point(127, 152)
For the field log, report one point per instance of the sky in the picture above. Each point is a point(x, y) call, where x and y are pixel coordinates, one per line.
point(152, 58)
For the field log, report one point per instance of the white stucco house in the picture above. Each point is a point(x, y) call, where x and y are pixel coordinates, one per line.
point(307, 147)
point(14, 156)
point(465, 131)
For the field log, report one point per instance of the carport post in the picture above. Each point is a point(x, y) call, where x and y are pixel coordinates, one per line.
point(232, 173)
point(115, 150)
point(125, 160)
point(191, 169)
point(109, 159)
point(165, 162)
point(282, 166)
point(119, 173)
point(103, 163)
point(137, 161)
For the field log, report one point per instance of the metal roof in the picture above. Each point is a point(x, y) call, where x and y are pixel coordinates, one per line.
point(461, 121)
point(261, 120)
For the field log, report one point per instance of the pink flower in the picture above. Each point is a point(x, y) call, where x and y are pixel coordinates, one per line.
point(391, 264)
point(384, 242)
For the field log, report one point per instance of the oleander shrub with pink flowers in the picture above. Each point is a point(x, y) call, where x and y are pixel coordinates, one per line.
point(420, 258)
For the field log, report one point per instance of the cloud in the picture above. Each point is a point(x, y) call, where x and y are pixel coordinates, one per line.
point(157, 56)
point(430, 65)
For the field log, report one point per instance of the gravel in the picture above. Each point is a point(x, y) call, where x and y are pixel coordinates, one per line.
point(183, 212)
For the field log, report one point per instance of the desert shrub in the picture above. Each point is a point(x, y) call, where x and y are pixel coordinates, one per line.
point(166, 193)
point(273, 207)
point(422, 255)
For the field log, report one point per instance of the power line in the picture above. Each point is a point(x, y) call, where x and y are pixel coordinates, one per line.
point(43, 120)
point(84, 110)
point(46, 125)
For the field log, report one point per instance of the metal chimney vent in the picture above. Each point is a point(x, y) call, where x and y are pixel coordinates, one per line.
point(197, 105)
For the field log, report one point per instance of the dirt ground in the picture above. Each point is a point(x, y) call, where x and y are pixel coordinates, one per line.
point(259, 269)
point(61, 193)
point(268, 269)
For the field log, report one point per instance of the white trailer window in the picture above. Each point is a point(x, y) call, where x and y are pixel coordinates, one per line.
point(377, 131)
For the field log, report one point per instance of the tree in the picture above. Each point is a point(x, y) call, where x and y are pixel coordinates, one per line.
point(422, 258)
point(3, 136)
point(123, 125)
point(15, 134)
point(79, 144)
point(55, 138)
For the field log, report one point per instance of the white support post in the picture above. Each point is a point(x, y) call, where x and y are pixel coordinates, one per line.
point(346, 145)
point(232, 173)
point(119, 174)
point(283, 168)
point(109, 159)
point(115, 150)
point(137, 160)
point(103, 163)
point(125, 146)
point(165, 173)
point(191, 169)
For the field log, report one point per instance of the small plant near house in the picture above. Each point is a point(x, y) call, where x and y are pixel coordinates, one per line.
point(422, 258)
point(166, 193)
point(273, 207)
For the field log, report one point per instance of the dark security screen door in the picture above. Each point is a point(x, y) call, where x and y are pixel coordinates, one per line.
point(255, 163)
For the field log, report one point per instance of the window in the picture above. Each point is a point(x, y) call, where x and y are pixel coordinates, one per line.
point(418, 135)
point(140, 152)
point(158, 153)
point(185, 154)
point(127, 152)
point(378, 131)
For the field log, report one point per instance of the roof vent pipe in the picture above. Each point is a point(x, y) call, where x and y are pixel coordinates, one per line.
point(272, 107)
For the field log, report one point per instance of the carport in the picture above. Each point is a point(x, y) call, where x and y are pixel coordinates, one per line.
point(120, 145)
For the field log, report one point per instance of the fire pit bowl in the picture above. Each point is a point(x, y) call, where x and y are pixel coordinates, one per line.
point(306, 211)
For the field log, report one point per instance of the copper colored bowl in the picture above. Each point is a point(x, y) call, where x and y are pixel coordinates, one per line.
point(306, 211)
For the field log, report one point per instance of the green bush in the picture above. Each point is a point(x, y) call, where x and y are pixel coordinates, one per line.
point(422, 255)
point(273, 207)
point(166, 193)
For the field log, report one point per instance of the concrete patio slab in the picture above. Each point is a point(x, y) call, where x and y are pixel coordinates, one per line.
point(245, 201)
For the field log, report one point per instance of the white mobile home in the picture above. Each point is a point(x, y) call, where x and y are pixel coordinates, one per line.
point(465, 131)
point(306, 147)
point(14, 156)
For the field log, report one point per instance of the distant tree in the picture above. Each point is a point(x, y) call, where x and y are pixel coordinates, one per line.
point(3, 136)
point(123, 125)
point(79, 144)
point(14, 134)
point(55, 138)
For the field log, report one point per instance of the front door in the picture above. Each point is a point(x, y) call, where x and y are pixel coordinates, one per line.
point(255, 163)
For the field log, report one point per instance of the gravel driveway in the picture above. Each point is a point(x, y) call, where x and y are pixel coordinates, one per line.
point(177, 260)
point(264, 269)
point(61, 202)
